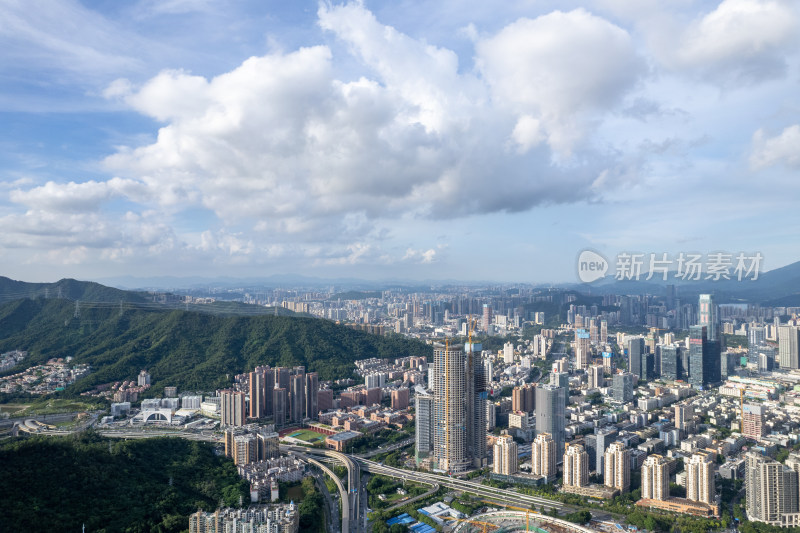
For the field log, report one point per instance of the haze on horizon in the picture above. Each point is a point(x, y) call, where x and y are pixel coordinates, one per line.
point(365, 140)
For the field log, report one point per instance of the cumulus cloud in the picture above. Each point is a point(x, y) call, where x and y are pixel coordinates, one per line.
point(737, 42)
point(744, 40)
point(783, 148)
point(74, 197)
point(285, 151)
point(283, 140)
point(558, 71)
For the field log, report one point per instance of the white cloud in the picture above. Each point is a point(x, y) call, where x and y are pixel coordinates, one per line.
point(420, 256)
point(559, 70)
point(74, 197)
point(783, 148)
point(744, 40)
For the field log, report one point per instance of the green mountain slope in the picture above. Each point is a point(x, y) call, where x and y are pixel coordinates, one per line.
point(66, 288)
point(191, 350)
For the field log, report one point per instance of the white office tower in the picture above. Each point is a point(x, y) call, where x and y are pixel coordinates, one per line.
point(655, 478)
point(700, 478)
point(617, 467)
point(505, 456)
point(543, 456)
point(576, 466)
point(432, 377)
point(508, 353)
point(525, 363)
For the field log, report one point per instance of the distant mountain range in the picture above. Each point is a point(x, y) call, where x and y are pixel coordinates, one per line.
point(778, 287)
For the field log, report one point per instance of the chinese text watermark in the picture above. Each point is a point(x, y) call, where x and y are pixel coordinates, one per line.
point(663, 266)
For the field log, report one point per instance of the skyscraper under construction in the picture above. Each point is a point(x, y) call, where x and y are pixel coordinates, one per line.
point(459, 408)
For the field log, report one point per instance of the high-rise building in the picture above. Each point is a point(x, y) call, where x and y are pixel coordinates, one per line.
point(708, 316)
point(771, 489)
point(622, 387)
point(491, 415)
point(655, 478)
point(476, 396)
point(603, 331)
point(424, 427)
point(143, 380)
point(505, 456)
point(279, 405)
point(487, 317)
point(561, 379)
point(756, 336)
point(704, 358)
point(312, 391)
point(508, 353)
point(550, 415)
point(617, 466)
point(596, 377)
point(635, 354)
point(670, 362)
point(233, 408)
point(256, 385)
point(576, 466)
point(753, 421)
point(400, 398)
point(789, 346)
point(523, 398)
point(459, 408)
point(543, 456)
point(582, 349)
point(700, 478)
point(596, 445)
point(684, 416)
point(297, 397)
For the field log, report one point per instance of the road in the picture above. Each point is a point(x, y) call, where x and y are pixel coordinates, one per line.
point(386, 449)
point(399, 504)
point(332, 513)
point(506, 496)
point(351, 501)
point(342, 492)
point(354, 503)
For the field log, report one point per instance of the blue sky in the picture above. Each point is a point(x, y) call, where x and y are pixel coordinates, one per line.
point(418, 140)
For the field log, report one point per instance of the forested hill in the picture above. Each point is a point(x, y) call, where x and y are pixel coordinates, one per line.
point(69, 289)
point(191, 350)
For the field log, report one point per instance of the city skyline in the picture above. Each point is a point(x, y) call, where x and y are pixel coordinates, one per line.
point(361, 140)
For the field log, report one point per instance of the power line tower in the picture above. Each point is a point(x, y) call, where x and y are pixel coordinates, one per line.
point(59, 293)
point(120, 307)
point(77, 313)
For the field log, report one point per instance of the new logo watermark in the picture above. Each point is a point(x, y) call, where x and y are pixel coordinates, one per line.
point(683, 266)
point(591, 266)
